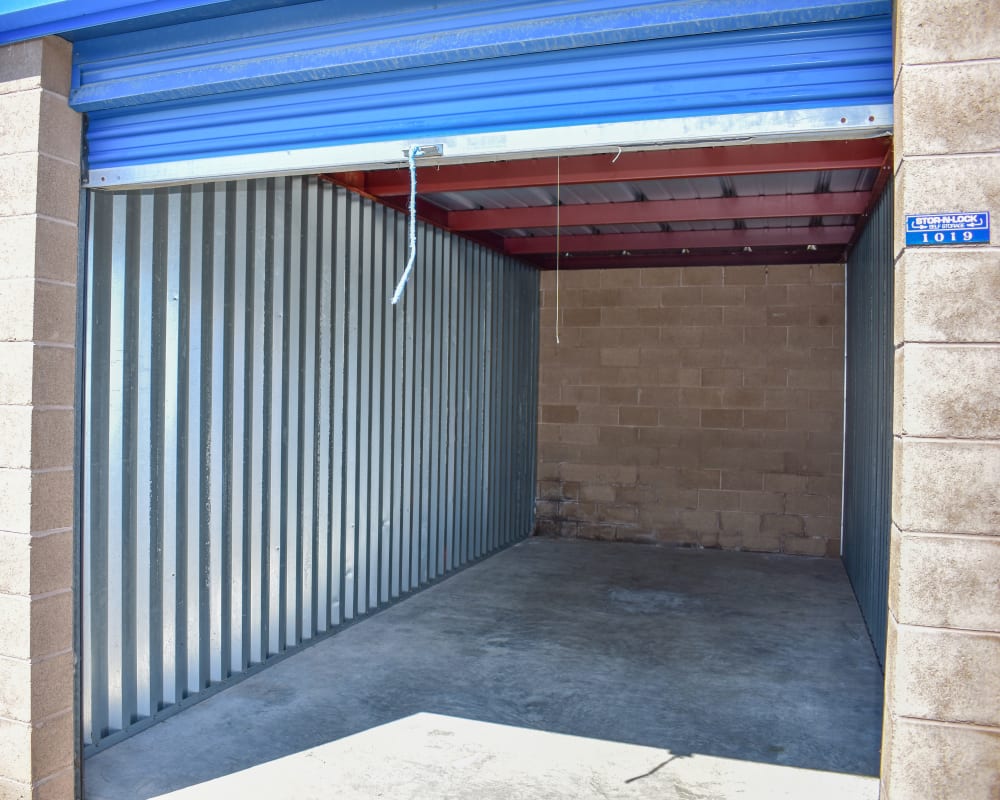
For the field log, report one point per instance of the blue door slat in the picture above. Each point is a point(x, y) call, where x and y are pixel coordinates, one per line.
point(826, 65)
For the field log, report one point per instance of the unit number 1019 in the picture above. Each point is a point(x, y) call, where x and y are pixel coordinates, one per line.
point(949, 236)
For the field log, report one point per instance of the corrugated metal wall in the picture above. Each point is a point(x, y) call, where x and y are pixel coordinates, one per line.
point(868, 424)
point(272, 449)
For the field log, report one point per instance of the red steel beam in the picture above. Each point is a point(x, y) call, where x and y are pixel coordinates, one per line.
point(671, 240)
point(878, 186)
point(355, 181)
point(635, 166)
point(763, 255)
point(426, 211)
point(761, 207)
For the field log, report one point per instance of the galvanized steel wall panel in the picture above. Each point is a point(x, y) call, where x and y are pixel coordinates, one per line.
point(868, 423)
point(270, 448)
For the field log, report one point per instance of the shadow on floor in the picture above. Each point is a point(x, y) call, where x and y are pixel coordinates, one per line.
point(731, 656)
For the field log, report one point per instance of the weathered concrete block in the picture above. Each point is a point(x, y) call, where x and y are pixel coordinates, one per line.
point(15, 626)
point(52, 437)
point(53, 375)
point(60, 786)
point(17, 310)
point(921, 38)
point(15, 685)
point(20, 117)
point(15, 500)
point(52, 745)
point(15, 436)
point(945, 581)
point(51, 624)
point(15, 563)
point(52, 500)
point(13, 790)
point(15, 744)
point(782, 524)
point(804, 545)
point(946, 486)
point(21, 67)
point(52, 686)
point(60, 133)
point(17, 247)
point(51, 562)
point(33, 628)
point(54, 311)
point(18, 195)
point(34, 752)
point(944, 391)
point(935, 123)
point(944, 675)
point(945, 295)
point(927, 760)
point(54, 198)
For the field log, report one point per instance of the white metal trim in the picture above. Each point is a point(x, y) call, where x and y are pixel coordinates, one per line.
point(853, 122)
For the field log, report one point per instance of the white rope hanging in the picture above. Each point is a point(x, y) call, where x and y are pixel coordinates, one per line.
point(558, 230)
point(411, 158)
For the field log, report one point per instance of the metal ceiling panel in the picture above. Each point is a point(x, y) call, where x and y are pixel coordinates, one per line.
point(681, 188)
point(849, 181)
point(788, 183)
point(642, 212)
point(728, 206)
point(599, 193)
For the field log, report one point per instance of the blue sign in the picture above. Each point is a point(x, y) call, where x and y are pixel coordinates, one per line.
point(953, 227)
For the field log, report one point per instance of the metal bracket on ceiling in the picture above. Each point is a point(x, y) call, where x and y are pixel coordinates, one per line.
point(425, 150)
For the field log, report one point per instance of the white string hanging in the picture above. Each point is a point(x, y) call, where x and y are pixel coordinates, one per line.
point(411, 158)
point(558, 204)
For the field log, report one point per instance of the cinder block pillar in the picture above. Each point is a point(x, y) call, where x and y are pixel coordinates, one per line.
point(39, 193)
point(942, 717)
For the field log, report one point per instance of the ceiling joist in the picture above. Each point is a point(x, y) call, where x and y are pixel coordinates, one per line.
point(691, 240)
point(697, 258)
point(695, 162)
point(530, 203)
point(659, 211)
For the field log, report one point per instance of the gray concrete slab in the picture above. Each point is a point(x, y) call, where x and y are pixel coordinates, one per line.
point(556, 668)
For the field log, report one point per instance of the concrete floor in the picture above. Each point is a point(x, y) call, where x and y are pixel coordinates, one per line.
point(554, 669)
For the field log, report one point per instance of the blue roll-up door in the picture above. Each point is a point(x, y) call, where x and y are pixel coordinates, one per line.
point(314, 87)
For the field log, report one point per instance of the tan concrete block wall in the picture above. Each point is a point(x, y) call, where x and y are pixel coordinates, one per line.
point(39, 160)
point(699, 406)
point(942, 720)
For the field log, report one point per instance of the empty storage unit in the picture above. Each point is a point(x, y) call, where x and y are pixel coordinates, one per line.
point(628, 229)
